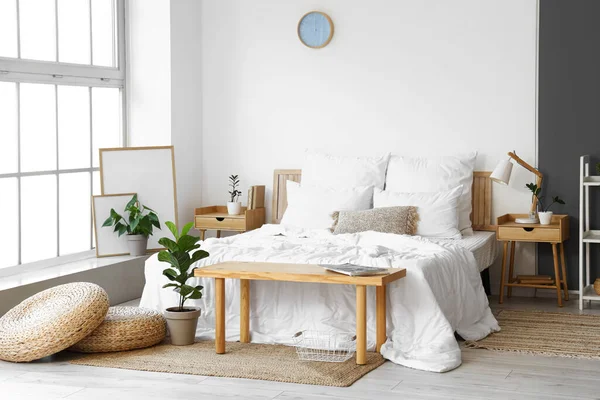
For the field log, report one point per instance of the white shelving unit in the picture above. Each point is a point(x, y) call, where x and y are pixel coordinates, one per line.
point(587, 236)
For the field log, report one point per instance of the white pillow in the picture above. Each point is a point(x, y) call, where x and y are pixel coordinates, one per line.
point(311, 207)
point(434, 174)
point(327, 170)
point(438, 215)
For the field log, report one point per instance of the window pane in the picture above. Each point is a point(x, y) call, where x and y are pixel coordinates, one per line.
point(8, 28)
point(103, 33)
point(106, 119)
point(8, 127)
point(74, 31)
point(75, 206)
point(9, 229)
point(73, 127)
point(38, 30)
point(38, 127)
point(38, 235)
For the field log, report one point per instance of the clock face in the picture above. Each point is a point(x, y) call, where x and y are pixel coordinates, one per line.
point(315, 29)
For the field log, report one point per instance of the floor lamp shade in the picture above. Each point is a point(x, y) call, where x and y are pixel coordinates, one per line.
point(502, 172)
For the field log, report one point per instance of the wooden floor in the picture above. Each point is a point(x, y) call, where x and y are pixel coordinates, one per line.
point(483, 375)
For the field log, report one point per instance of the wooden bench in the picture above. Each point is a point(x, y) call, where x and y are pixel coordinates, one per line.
point(248, 271)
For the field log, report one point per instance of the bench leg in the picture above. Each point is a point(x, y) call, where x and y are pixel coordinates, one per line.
point(381, 325)
point(220, 315)
point(244, 311)
point(511, 268)
point(361, 324)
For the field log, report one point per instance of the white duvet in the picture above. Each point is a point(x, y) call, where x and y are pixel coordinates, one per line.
point(441, 293)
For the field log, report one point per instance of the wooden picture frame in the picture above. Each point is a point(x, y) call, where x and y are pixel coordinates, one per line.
point(147, 171)
point(108, 243)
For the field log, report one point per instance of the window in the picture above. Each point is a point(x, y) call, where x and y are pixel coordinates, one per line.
point(62, 86)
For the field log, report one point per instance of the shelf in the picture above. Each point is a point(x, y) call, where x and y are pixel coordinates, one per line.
point(591, 236)
point(591, 181)
point(590, 294)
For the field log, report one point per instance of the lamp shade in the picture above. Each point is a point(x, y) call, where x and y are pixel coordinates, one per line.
point(502, 172)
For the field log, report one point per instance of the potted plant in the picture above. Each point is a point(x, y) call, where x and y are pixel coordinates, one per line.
point(181, 254)
point(544, 212)
point(234, 207)
point(142, 219)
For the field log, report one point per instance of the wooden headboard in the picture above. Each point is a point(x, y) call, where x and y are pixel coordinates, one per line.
point(481, 216)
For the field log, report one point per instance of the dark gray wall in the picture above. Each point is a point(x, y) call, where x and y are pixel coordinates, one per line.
point(569, 113)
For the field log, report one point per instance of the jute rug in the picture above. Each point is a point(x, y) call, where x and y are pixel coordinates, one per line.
point(545, 333)
point(252, 361)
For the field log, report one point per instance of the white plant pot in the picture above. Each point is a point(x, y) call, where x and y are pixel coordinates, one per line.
point(137, 245)
point(545, 217)
point(234, 207)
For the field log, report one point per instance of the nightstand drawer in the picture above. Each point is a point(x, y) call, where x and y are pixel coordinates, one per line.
point(220, 223)
point(529, 234)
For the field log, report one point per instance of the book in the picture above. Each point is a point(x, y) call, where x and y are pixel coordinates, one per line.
point(354, 270)
point(258, 195)
point(250, 198)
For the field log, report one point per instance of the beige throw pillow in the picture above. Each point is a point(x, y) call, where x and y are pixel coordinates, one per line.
point(401, 220)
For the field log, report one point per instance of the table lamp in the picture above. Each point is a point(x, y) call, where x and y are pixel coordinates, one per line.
point(502, 174)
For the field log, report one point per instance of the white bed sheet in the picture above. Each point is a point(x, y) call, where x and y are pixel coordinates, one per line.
point(441, 294)
point(482, 244)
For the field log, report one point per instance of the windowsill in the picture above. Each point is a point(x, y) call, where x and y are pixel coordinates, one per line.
point(22, 278)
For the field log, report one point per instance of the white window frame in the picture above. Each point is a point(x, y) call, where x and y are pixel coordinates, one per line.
point(19, 70)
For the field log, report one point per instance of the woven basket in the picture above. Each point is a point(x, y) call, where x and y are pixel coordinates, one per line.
point(51, 321)
point(125, 328)
point(597, 286)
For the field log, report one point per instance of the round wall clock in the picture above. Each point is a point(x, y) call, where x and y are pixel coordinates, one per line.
point(315, 29)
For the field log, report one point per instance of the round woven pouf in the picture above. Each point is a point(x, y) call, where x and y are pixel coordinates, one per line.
point(125, 328)
point(51, 321)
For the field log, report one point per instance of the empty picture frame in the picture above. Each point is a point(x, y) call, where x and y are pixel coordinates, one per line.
point(108, 242)
point(147, 171)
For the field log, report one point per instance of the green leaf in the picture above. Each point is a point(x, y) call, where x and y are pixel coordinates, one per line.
point(186, 228)
point(195, 295)
point(108, 222)
point(199, 255)
point(167, 257)
point(186, 290)
point(133, 224)
point(132, 202)
point(170, 285)
point(173, 229)
point(169, 244)
point(122, 230)
point(171, 274)
point(188, 243)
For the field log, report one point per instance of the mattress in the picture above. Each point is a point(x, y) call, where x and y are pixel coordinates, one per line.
point(482, 244)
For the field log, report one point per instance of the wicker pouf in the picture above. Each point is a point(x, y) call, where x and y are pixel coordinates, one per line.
point(125, 328)
point(51, 321)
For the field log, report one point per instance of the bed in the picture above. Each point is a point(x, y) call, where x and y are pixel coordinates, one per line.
point(441, 294)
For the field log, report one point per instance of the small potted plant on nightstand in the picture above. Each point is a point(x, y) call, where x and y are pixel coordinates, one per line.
point(181, 254)
point(234, 207)
point(138, 226)
point(545, 214)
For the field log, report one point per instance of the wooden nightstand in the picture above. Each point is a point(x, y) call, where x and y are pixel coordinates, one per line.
point(556, 233)
point(216, 217)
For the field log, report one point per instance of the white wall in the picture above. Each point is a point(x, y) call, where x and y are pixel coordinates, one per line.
point(149, 72)
point(186, 104)
point(164, 88)
point(406, 76)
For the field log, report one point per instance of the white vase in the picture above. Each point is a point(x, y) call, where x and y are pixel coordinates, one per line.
point(545, 217)
point(234, 207)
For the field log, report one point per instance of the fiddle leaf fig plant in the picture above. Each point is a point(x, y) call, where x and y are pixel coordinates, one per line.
point(180, 254)
point(141, 221)
point(535, 190)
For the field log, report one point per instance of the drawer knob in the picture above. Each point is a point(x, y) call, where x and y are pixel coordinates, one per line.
point(220, 219)
point(528, 229)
